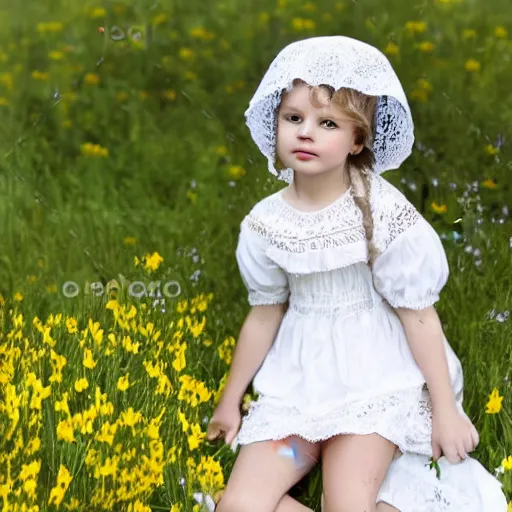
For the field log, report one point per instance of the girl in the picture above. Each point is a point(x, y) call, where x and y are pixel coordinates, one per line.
point(343, 343)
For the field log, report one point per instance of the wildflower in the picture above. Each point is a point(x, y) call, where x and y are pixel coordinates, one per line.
point(472, 65)
point(97, 12)
point(81, 384)
point(123, 383)
point(63, 480)
point(501, 32)
point(170, 95)
point(52, 26)
point(225, 350)
point(416, 26)
point(65, 431)
point(186, 54)
point(300, 24)
point(491, 150)
point(18, 297)
point(489, 183)
point(392, 49)
point(92, 79)
point(235, 172)
point(89, 149)
point(88, 361)
point(439, 209)
point(507, 463)
point(426, 46)
point(196, 437)
point(56, 55)
point(71, 325)
point(493, 406)
point(152, 262)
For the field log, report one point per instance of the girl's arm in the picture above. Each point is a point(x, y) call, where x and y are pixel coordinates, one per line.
point(256, 337)
point(425, 336)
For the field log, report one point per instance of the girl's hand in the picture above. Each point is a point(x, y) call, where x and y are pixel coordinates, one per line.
point(453, 435)
point(225, 422)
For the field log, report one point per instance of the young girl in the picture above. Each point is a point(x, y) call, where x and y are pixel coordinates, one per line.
point(345, 347)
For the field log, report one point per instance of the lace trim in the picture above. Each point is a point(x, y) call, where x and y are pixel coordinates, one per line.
point(255, 298)
point(397, 416)
point(338, 225)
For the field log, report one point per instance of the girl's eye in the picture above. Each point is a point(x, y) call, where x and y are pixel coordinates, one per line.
point(333, 124)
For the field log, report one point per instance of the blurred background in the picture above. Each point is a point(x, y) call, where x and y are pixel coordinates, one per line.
point(124, 158)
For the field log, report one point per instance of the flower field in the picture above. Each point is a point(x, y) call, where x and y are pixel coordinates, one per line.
point(125, 171)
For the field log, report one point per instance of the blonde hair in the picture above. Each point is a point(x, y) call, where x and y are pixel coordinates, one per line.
point(360, 109)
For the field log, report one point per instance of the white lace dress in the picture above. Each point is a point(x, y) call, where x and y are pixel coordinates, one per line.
point(341, 362)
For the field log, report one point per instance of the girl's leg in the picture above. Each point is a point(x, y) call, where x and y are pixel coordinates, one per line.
point(288, 504)
point(353, 469)
point(263, 474)
point(384, 507)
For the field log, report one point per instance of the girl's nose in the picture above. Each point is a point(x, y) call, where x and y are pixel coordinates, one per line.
point(305, 129)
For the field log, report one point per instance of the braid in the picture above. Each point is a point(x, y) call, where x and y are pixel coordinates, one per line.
point(360, 182)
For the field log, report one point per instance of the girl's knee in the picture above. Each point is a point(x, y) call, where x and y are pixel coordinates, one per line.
point(239, 501)
point(349, 503)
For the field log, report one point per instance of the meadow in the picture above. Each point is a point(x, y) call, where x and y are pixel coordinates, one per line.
point(125, 171)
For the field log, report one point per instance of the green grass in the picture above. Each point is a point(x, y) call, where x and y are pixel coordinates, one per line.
point(64, 215)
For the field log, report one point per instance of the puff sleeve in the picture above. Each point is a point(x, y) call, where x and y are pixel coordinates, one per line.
point(266, 282)
point(413, 268)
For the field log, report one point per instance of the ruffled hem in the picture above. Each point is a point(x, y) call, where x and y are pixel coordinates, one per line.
point(411, 486)
point(402, 417)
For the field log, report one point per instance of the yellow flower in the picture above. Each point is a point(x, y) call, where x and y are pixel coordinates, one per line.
point(501, 32)
point(186, 53)
point(491, 150)
point(92, 79)
point(122, 383)
point(507, 463)
point(236, 172)
point(426, 46)
point(88, 361)
point(440, 209)
point(419, 95)
point(71, 325)
point(89, 149)
point(472, 65)
point(416, 26)
point(51, 26)
point(56, 55)
point(63, 480)
point(97, 12)
point(489, 183)
point(392, 48)
point(152, 262)
point(176, 507)
point(65, 431)
point(425, 85)
point(196, 437)
point(468, 33)
point(509, 507)
point(493, 406)
point(81, 384)
point(300, 24)
point(18, 297)
point(170, 95)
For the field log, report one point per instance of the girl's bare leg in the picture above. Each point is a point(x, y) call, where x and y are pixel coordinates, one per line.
point(288, 504)
point(263, 474)
point(384, 507)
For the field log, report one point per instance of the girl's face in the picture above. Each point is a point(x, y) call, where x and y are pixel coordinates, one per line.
point(324, 131)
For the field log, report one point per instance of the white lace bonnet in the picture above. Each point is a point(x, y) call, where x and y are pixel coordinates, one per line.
point(338, 61)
